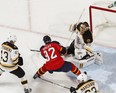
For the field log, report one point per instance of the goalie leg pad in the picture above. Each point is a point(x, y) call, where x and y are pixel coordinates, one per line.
point(98, 58)
point(86, 62)
point(80, 53)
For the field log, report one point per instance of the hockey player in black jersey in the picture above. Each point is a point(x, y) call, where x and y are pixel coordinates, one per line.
point(84, 85)
point(83, 38)
point(11, 61)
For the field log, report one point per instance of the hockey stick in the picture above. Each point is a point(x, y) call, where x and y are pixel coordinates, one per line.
point(54, 83)
point(90, 50)
point(34, 50)
point(77, 22)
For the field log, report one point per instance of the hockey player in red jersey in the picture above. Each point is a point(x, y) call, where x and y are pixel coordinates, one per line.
point(52, 52)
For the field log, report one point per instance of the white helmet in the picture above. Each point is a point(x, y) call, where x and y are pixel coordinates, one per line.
point(82, 77)
point(12, 38)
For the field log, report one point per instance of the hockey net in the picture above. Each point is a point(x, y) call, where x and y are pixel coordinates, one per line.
point(101, 17)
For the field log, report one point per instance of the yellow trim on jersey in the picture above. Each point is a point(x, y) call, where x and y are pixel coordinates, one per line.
point(9, 67)
point(74, 70)
point(77, 72)
point(86, 84)
point(61, 49)
point(39, 73)
point(42, 70)
point(4, 45)
point(15, 60)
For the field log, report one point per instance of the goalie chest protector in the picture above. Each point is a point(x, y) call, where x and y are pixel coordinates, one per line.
point(87, 36)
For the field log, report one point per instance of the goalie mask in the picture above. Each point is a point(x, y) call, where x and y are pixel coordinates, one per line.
point(83, 27)
point(12, 38)
point(46, 39)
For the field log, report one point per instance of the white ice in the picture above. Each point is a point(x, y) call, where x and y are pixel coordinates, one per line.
point(30, 20)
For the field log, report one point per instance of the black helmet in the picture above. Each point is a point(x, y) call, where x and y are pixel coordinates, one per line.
point(46, 39)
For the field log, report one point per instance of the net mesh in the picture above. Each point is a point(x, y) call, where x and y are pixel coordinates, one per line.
point(102, 15)
point(103, 19)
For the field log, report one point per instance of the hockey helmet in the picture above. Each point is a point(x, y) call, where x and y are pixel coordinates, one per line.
point(46, 39)
point(12, 38)
point(82, 77)
point(86, 24)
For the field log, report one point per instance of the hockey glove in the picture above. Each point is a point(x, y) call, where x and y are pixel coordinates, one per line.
point(36, 76)
point(20, 61)
point(72, 90)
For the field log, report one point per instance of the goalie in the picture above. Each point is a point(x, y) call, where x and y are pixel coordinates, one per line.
point(82, 40)
point(80, 47)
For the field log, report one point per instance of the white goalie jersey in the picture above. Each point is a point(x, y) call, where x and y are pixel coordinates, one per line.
point(79, 43)
point(89, 86)
point(9, 55)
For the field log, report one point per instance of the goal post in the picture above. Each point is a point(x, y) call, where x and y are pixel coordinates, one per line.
point(102, 19)
point(99, 8)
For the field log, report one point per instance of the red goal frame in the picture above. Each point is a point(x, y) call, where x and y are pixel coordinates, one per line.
point(91, 7)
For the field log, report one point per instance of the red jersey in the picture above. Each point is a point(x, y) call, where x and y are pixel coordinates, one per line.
point(52, 53)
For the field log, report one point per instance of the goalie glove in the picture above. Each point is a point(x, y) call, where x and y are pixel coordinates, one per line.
point(72, 27)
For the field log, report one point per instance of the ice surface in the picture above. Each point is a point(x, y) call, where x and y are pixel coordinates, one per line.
point(30, 20)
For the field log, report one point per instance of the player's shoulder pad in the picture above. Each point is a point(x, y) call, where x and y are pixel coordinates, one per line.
point(9, 45)
point(56, 42)
point(41, 47)
point(81, 84)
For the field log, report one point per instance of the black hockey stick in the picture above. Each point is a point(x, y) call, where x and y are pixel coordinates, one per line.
point(34, 50)
point(54, 83)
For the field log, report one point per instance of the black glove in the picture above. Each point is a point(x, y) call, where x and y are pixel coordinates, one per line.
point(72, 90)
point(20, 61)
point(36, 76)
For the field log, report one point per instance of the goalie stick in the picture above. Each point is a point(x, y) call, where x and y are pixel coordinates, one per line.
point(76, 23)
point(34, 50)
